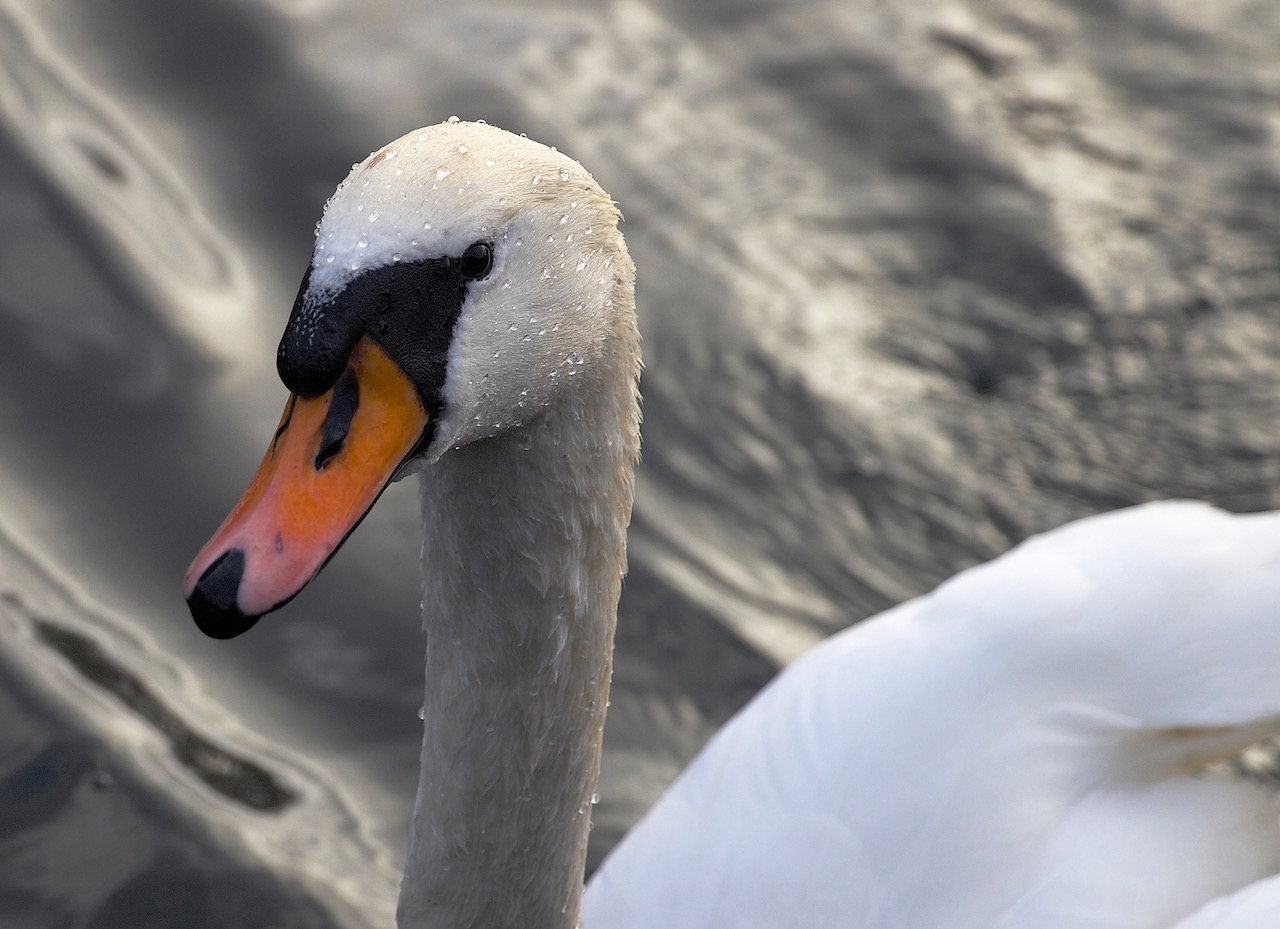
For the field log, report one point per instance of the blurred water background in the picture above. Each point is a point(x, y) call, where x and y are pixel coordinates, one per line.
point(916, 279)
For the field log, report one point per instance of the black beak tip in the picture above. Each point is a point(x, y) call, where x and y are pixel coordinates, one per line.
point(213, 601)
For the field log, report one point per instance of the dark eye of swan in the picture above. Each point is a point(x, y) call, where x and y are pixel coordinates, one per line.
point(477, 261)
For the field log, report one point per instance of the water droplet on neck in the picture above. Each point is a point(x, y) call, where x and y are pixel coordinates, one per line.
point(564, 174)
point(422, 711)
point(463, 149)
point(373, 217)
point(582, 263)
point(442, 172)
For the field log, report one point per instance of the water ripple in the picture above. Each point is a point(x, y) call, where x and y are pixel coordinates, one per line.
point(261, 804)
point(145, 218)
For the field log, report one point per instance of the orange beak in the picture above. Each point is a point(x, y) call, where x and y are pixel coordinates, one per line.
point(330, 460)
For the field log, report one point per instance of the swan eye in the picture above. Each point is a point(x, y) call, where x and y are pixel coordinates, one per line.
point(477, 261)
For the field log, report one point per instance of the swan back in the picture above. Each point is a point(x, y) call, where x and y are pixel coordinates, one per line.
point(1019, 748)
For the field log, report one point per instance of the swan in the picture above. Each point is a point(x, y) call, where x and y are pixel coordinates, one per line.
point(1022, 747)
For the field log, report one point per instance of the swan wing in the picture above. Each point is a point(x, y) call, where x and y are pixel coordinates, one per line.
point(1020, 748)
point(1257, 906)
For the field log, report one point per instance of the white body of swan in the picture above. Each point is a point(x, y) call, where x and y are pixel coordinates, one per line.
point(1024, 747)
point(1019, 748)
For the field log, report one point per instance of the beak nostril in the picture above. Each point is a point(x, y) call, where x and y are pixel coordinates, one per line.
point(213, 601)
point(337, 422)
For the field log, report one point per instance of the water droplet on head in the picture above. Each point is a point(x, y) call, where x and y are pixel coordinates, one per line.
point(329, 260)
point(422, 711)
point(442, 172)
point(488, 162)
point(547, 272)
point(520, 240)
point(363, 243)
point(453, 119)
point(564, 174)
point(424, 226)
point(564, 219)
point(537, 179)
point(582, 263)
point(373, 217)
point(463, 149)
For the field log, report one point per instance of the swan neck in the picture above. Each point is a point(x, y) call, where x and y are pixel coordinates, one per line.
point(524, 548)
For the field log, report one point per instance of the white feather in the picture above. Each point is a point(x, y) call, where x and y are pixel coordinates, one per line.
point(1018, 749)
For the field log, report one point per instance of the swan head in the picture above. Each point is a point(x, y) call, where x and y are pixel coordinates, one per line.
point(464, 280)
